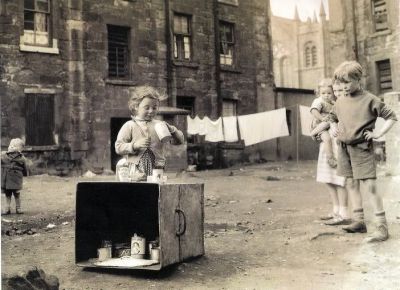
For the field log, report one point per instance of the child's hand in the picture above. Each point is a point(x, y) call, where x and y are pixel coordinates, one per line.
point(369, 135)
point(170, 128)
point(142, 143)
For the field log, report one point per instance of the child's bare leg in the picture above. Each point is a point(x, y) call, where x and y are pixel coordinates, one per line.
point(353, 188)
point(327, 143)
point(17, 202)
point(343, 202)
point(323, 126)
point(8, 203)
point(342, 215)
point(334, 197)
point(381, 233)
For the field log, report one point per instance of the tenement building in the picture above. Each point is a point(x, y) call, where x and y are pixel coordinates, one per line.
point(67, 67)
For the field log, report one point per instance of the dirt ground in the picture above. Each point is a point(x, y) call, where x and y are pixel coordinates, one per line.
point(261, 232)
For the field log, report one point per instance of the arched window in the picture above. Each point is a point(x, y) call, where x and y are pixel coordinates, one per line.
point(314, 55)
point(310, 54)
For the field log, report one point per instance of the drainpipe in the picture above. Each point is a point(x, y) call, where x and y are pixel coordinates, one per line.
point(217, 60)
point(354, 22)
point(168, 52)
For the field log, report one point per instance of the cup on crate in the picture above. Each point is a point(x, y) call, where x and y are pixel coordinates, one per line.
point(162, 131)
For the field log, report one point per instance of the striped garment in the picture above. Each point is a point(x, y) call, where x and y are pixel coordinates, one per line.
point(325, 173)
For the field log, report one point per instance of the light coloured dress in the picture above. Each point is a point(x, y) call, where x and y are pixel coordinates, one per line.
point(325, 173)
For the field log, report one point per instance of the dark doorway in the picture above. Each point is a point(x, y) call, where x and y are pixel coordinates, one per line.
point(116, 124)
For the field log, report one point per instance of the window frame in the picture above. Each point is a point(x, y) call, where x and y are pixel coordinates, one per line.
point(380, 75)
point(223, 57)
point(234, 104)
point(34, 32)
point(375, 15)
point(126, 45)
point(179, 52)
point(310, 54)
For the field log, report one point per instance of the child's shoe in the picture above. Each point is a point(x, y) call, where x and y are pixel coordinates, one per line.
point(332, 162)
point(381, 234)
point(356, 227)
point(327, 217)
point(19, 211)
point(338, 221)
point(6, 212)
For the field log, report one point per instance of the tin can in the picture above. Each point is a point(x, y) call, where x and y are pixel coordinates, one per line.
point(155, 254)
point(104, 253)
point(122, 250)
point(138, 246)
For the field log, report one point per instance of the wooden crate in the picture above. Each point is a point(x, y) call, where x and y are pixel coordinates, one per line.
point(115, 211)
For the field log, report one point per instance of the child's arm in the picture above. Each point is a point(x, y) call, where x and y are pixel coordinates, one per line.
point(177, 135)
point(385, 128)
point(316, 114)
point(125, 143)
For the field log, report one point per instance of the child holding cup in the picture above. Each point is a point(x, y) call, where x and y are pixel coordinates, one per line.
point(141, 140)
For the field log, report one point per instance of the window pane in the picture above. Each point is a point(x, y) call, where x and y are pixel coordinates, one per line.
point(118, 48)
point(185, 26)
point(42, 5)
point(29, 4)
point(177, 24)
point(40, 22)
point(28, 20)
point(186, 41)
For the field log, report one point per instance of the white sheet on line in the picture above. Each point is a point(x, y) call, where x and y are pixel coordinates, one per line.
point(259, 127)
point(214, 130)
point(192, 125)
point(230, 129)
point(305, 120)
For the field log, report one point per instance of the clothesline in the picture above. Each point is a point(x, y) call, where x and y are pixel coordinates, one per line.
point(252, 127)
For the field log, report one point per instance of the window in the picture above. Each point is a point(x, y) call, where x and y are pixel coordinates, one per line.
point(229, 108)
point(37, 22)
point(227, 43)
point(182, 37)
point(379, 13)
point(384, 76)
point(310, 54)
point(39, 118)
point(186, 103)
point(118, 51)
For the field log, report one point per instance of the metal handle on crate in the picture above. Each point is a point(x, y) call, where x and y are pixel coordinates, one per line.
point(181, 225)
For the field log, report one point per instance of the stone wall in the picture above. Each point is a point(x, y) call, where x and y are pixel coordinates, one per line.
point(75, 70)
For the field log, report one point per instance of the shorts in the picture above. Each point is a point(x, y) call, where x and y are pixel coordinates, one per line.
point(356, 161)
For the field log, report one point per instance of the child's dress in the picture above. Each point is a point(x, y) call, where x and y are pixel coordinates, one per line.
point(141, 162)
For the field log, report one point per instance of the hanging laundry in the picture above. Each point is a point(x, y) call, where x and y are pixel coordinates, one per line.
point(192, 128)
point(305, 119)
point(202, 125)
point(259, 127)
point(214, 130)
point(230, 129)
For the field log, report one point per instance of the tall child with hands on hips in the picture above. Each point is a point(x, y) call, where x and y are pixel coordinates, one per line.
point(357, 112)
point(137, 138)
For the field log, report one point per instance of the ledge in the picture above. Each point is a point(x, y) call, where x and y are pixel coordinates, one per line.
point(188, 64)
point(380, 33)
point(41, 148)
point(120, 82)
point(230, 69)
point(40, 49)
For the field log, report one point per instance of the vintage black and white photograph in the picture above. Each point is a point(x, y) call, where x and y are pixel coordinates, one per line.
point(200, 144)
